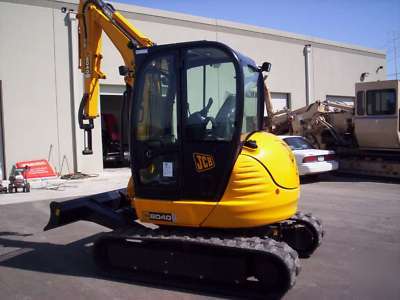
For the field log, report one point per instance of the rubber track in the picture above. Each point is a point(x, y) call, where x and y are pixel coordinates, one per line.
point(252, 244)
point(301, 218)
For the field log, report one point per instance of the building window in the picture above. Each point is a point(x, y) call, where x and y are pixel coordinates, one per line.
point(381, 102)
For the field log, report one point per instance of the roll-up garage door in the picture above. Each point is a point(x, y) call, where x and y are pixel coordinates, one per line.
point(114, 125)
point(279, 101)
point(109, 89)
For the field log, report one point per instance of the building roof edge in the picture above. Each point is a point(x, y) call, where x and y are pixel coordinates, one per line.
point(129, 8)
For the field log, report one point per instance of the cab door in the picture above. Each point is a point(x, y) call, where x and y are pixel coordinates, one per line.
point(210, 116)
point(156, 142)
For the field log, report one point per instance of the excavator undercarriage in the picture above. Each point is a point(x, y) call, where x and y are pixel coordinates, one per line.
point(202, 256)
point(251, 262)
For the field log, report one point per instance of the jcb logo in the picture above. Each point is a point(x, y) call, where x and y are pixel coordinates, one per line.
point(203, 162)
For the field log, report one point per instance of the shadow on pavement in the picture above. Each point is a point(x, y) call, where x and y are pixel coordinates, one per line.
point(344, 177)
point(74, 259)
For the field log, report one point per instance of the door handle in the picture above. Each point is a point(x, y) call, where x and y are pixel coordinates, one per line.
point(148, 153)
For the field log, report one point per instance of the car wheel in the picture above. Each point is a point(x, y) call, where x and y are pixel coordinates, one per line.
point(10, 188)
point(313, 177)
point(27, 188)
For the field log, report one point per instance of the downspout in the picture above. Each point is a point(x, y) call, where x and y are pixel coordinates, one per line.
point(307, 60)
point(74, 82)
point(3, 170)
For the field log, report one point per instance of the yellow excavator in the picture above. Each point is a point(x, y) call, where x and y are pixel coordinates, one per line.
point(212, 198)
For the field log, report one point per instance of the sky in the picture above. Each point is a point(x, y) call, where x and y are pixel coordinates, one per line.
point(367, 23)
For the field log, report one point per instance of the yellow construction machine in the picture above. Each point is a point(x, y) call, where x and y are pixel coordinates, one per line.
point(222, 193)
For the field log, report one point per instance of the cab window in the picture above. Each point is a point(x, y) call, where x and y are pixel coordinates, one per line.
point(157, 118)
point(381, 102)
point(360, 103)
point(250, 99)
point(211, 95)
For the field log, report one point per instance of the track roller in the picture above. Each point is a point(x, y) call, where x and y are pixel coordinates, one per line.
point(303, 232)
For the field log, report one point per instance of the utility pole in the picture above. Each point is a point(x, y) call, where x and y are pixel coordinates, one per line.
point(395, 55)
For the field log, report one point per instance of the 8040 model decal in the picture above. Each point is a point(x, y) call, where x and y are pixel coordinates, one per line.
point(203, 162)
point(157, 216)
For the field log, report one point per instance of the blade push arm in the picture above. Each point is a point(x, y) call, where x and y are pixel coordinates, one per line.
point(96, 16)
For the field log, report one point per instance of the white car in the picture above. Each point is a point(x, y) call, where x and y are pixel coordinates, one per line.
point(310, 160)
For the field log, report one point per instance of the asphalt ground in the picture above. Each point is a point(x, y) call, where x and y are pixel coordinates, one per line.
point(358, 259)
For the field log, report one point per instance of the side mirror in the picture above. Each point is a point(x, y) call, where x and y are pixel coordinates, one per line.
point(123, 70)
point(266, 67)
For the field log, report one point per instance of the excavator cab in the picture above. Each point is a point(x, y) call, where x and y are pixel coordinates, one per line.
point(192, 103)
point(377, 103)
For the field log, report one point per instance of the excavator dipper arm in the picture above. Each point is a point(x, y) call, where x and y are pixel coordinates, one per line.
point(96, 16)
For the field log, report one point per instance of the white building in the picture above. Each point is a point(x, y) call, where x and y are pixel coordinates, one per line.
point(41, 86)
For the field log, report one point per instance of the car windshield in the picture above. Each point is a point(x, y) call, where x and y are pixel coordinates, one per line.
point(298, 143)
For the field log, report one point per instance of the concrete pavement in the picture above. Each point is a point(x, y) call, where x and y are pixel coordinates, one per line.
point(359, 257)
point(110, 179)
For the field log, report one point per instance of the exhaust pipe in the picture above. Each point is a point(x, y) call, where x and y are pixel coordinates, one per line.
point(111, 209)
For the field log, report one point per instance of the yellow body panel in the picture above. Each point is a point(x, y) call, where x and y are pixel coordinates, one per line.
point(277, 157)
point(252, 197)
point(184, 213)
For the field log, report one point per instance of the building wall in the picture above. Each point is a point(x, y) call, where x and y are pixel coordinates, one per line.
point(42, 86)
point(338, 66)
point(336, 71)
point(30, 88)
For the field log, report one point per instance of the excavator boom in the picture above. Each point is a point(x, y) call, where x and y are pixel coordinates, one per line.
point(96, 16)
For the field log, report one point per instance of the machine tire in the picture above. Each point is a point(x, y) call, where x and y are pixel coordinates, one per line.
point(27, 188)
point(10, 188)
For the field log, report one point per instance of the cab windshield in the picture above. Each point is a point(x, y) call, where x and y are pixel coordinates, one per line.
point(298, 143)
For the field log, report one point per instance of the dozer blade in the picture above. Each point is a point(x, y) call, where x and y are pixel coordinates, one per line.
point(111, 209)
